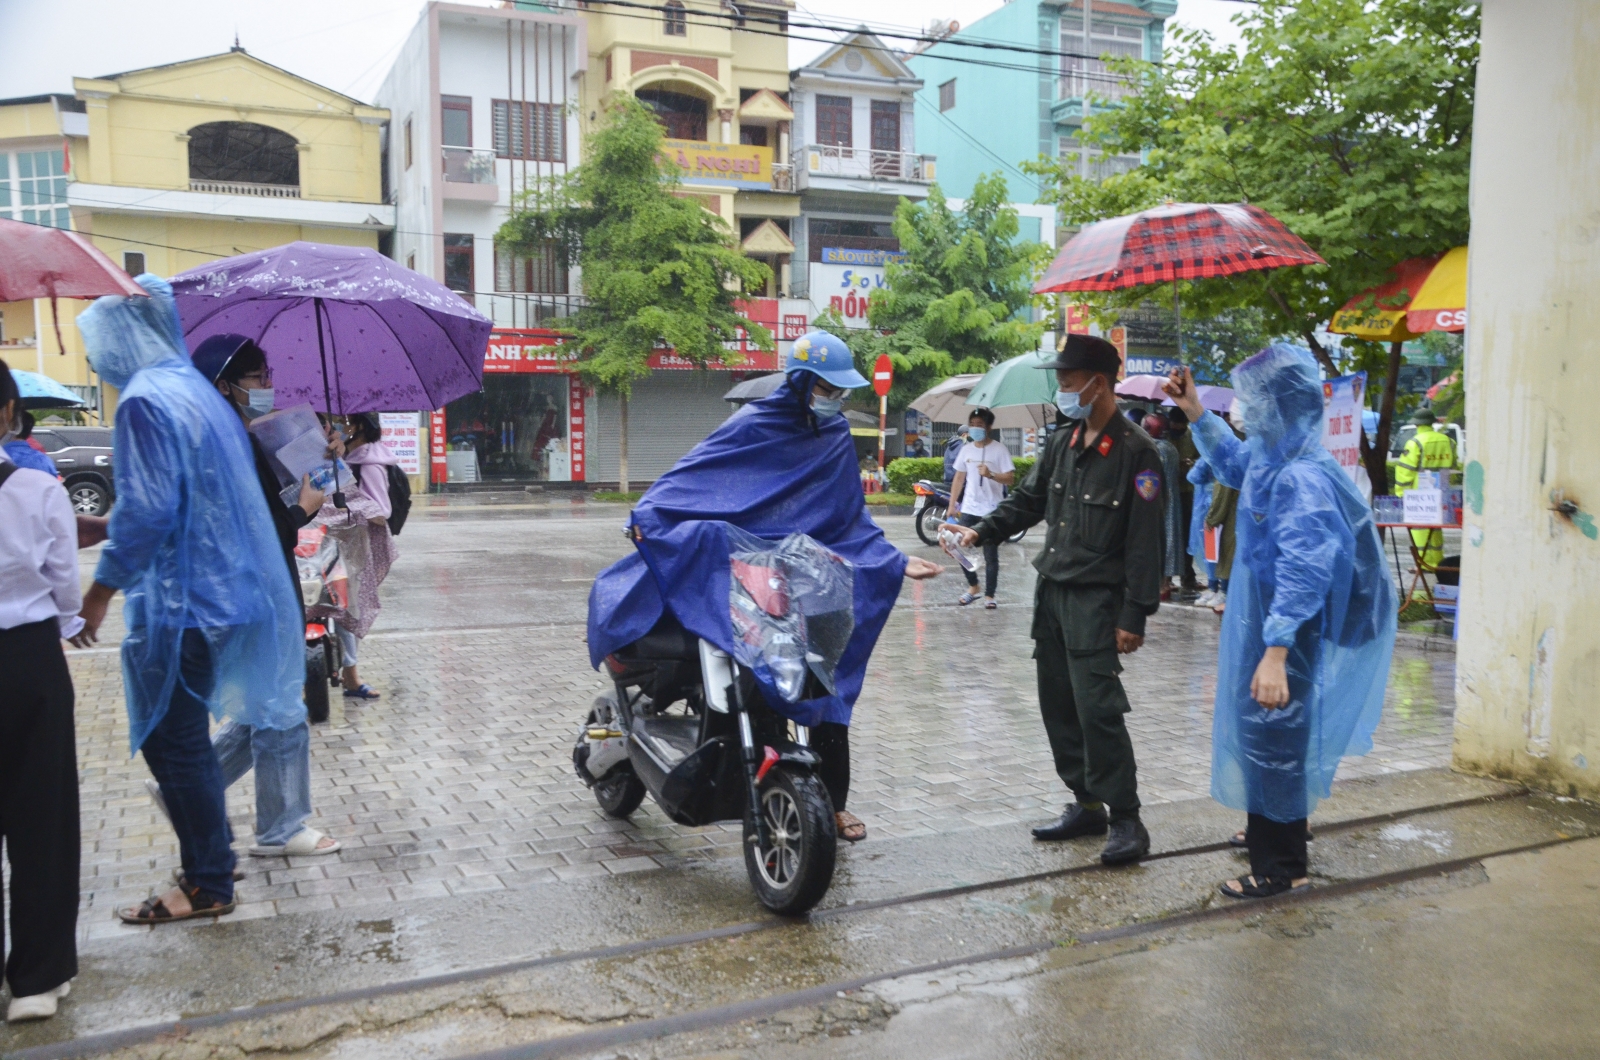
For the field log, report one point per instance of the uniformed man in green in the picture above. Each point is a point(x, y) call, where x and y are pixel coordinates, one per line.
point(1097, 486)
point(1430, 449)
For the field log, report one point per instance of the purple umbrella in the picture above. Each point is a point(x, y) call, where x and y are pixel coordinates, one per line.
point(1147, 387)
point(1216, 398)
point(344, 328)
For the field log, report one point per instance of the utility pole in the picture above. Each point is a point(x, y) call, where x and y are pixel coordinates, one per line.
point(1083, 87)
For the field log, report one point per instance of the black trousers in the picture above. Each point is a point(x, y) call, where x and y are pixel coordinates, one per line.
point(1081, 699)
point(831, 741)
point(39, 808)
point(1277, 848)
point(991, 560)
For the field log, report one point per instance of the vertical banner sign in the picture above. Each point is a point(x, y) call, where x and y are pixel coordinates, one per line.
point(1118, 337)
point(402, 432)
point(575, 426)
point(882, 380)
point(1343, 399)
point(438, 465)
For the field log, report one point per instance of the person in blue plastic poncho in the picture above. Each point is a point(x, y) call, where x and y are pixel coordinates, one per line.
point(212, 623)
point(1310, 624)
point(781, 465)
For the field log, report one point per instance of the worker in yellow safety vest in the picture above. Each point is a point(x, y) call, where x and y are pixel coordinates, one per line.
point(1430, 449)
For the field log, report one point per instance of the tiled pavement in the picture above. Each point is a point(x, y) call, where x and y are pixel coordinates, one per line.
point(459, 779)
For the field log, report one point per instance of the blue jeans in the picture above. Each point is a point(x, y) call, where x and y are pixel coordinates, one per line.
point(178, 752)
point(282, 761)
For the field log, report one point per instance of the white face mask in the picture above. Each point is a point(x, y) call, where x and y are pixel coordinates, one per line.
point(1238, 415)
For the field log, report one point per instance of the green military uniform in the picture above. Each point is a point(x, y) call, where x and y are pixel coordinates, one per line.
point(1430, 449)
point(1099, 571)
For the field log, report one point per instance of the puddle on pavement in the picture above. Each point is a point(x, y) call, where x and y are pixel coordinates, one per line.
point(1405, 832)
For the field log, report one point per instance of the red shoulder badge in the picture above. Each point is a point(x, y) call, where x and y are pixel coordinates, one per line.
point(1105, 444)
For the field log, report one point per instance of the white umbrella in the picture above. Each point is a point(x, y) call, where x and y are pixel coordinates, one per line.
point(947, 402)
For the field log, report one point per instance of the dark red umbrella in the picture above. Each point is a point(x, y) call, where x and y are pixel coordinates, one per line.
point(1178, 241)
point(41, 262)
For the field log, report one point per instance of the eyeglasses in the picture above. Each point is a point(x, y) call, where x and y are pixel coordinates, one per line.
point(262, 378)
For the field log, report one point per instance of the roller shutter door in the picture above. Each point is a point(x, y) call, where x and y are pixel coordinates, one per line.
point(670, 412)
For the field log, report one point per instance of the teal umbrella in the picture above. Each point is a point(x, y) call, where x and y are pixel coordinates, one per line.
point(42, 392)
point(1019, 381)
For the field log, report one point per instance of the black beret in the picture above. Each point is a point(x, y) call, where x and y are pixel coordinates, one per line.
point(1088, 353)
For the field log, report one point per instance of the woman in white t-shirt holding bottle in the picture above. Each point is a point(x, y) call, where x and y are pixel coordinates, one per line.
point(983, 471)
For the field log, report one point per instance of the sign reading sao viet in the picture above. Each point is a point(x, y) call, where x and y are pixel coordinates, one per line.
point(742, 165)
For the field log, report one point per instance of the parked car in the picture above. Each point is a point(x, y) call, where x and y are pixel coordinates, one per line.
point(83, 456)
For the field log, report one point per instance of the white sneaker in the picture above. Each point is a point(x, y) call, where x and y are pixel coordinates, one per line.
point(1205, 598)
point(36, 1006)
point(1219, 603)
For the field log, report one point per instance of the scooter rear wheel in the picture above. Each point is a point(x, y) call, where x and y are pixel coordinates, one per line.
point(620, 791)
point(793, 871)
point(928, 521)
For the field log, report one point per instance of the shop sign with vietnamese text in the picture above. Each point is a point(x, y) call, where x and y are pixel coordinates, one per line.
point(846, 288)
point(741, 165)
point(402, 433)
point(852, 256)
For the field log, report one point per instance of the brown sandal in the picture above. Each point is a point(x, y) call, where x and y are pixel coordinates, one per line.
point(154, 911)
point(850, 827)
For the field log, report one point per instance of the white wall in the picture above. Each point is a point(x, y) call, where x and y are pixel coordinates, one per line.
point(405, 93)
point(1528, 664)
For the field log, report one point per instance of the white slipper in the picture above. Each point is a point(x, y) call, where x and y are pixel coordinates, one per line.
point(36, 1006)
point(303, 844)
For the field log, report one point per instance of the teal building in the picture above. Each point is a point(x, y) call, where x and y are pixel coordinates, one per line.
point(980, 118)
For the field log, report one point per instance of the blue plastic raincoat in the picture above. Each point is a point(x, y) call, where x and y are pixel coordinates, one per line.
point(1203, 479)
point(1309, 577)
point(770, 470)
point(191, 544)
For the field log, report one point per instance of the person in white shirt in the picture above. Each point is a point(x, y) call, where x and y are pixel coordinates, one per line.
point(39, 602)
point(983, 471)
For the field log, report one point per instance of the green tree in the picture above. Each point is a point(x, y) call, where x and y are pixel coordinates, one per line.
point(657, 268)
point(958, 300)
point(1348, 120)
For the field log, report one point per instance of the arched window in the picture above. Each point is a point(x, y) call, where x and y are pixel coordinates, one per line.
point(242, 152)
point(684, 116)
point(676, 19)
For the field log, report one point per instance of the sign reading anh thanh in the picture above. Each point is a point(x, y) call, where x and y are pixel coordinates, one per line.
point(739, 165)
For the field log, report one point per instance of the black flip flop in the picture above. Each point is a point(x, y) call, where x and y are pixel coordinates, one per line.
point(1266, 887)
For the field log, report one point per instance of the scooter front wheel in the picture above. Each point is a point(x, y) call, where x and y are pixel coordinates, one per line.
point(928, 522)
point(793, 870)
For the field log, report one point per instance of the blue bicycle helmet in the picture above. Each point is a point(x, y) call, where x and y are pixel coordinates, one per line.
point(826, 355)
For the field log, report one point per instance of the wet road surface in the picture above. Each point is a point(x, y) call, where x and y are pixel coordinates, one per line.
point(468, 842)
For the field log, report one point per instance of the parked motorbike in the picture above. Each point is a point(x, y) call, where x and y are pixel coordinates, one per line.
point(931, 509)
point(324, 587)
point(689, 724)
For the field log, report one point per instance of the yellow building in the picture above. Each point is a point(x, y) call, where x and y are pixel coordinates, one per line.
point(173, 166)
point(718, 76)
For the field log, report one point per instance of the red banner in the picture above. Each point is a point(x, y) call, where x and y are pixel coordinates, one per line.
point(438, 465)
point(575, 426)
point(520, 350)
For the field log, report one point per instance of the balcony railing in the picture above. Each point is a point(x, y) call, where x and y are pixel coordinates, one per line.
point(1096, 80)
point(467, 165)
point(238, 187)
point(516, 310)
point(832, 160)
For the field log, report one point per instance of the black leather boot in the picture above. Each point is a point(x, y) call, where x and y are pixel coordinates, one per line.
point(1074, 821)
point(1128, 842)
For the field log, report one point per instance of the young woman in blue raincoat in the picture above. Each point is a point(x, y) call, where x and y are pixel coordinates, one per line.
point(784, 464)
point(1310, 624)
point(213, 626)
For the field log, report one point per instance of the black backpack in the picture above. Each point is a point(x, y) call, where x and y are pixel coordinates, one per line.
point(399, 498)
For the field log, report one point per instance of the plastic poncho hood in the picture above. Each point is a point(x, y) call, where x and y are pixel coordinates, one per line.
point(771, 470)
point(1308, 576)
point(191, 543)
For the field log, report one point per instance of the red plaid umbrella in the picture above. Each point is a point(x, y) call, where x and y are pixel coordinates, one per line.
point(1178, 241)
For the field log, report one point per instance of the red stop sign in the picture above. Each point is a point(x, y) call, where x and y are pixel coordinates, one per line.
point(883, 375)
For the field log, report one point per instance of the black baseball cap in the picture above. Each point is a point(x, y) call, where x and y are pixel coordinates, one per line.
point(1088, 353)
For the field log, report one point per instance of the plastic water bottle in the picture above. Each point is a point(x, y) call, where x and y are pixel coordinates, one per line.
point(947, 541)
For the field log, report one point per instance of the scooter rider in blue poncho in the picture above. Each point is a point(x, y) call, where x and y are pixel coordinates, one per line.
point(213, 626)
point(784, 464)
point(1310, 624)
